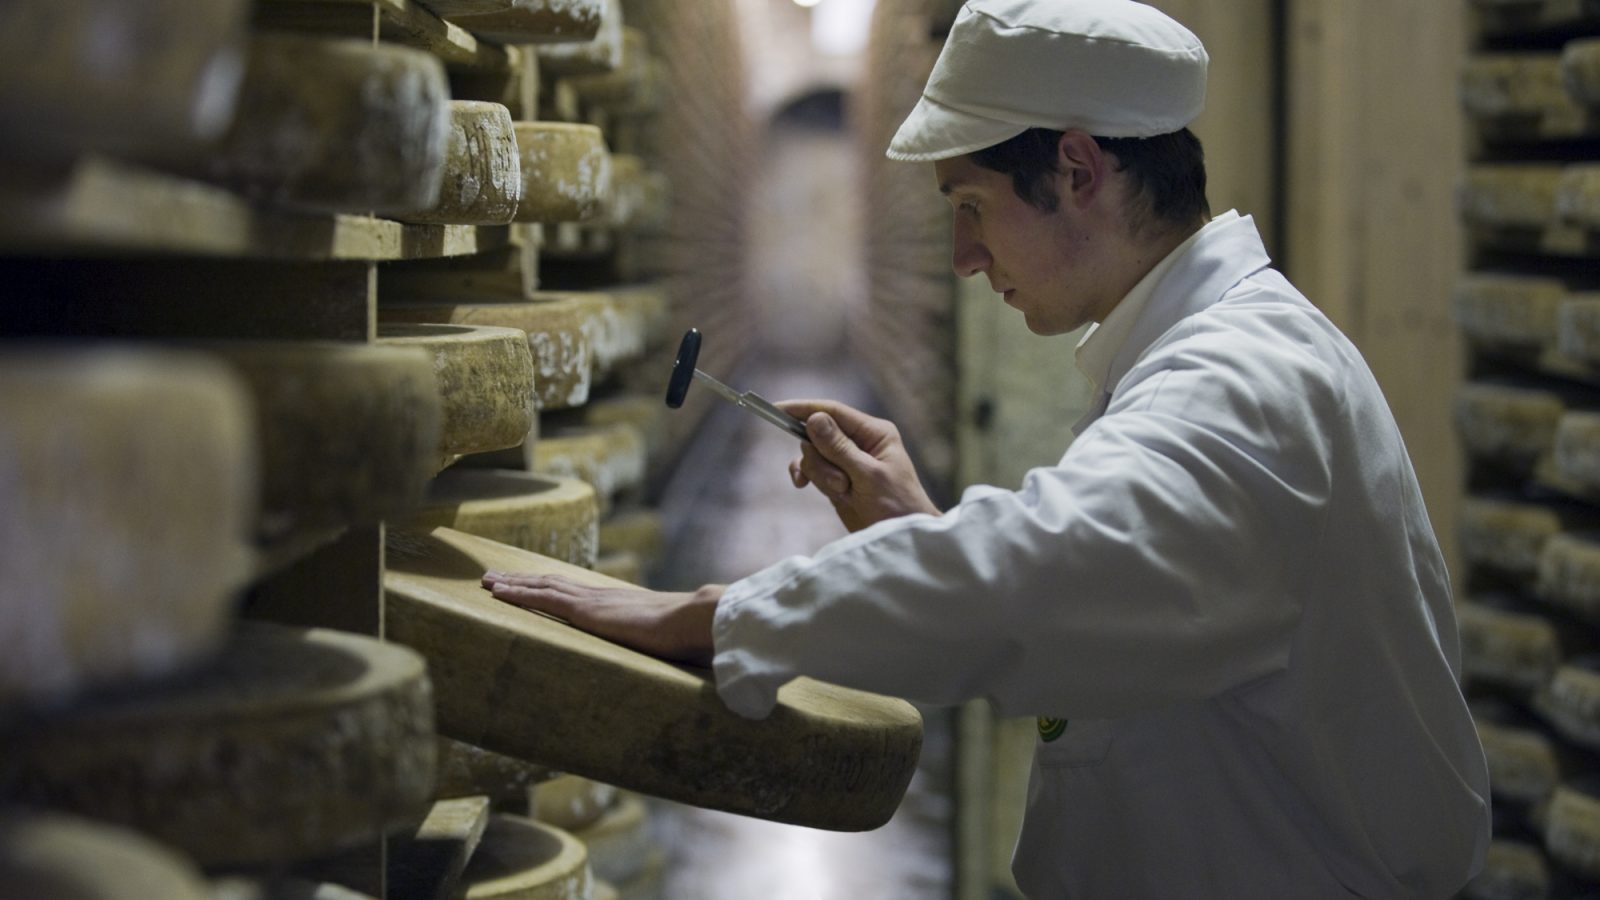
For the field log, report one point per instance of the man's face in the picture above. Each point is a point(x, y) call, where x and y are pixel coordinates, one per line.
point(1047, 265)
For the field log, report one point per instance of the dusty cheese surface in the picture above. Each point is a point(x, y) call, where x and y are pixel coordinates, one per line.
point(519, 859)
point(1577, 448)
point(602, 53)
point(1509, 310)
point(566, 172)
point(337, 126)
point(572, 802)
point(1510, 425)
point(129, 485)
point(537, 22)
point(551, 516)
point(1502, 647)
point(610, 457)
point(1522, 762)
point(1572, 830)
point(526, 685)
point(296, 743)
point(485, 377)
point(559, 338)
point(349, 432)
point(1506, 535)
point(55, 857)
point(1571, 702)
point(1510, 195)
point(481, 183)
point(146, 80)
point(1578, 195)
point(1580, 70)
point(1569, 573)
point(1578, 327)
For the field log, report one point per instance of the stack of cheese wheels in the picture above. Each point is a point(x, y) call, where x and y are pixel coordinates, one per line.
point(525, 21)
point(519, 859)
point(1512, 426)
point(602, 53)
point(481, 182)
point(1509, 312)
point(1506, 535)
point(571, 802)
point(1571, 702)
point(1512, 870)
point(337, 126)
point(644, 412)
point(1577, 450)
point(295, 744)
point(1503, 645)
point(146, 80)
point(486, 383)
point(1569, 573)
point(566, 172)
point(468, 771)
point(55, 857)
point(554, 517)
point(349, 432)
point(623, 84)
point(525, 685)
point(558, 327)
point(1511, 195)
point(129, 497)
point(619, 840)
point(611, 458)
point(617, 330)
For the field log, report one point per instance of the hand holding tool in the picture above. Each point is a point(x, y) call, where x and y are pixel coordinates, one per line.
point(684, 372)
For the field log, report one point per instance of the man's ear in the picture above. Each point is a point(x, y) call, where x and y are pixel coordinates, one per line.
point(1084, 167)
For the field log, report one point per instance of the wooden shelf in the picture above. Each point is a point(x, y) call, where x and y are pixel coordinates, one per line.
point(100, 206)
point(400, 21)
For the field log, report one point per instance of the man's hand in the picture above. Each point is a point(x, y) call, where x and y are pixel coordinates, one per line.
point(858, 462)
point(670, 626)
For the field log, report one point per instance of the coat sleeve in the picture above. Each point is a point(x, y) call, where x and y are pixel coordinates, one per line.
point(1155, 563)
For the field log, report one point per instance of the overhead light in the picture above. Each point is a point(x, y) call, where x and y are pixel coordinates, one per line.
point(807, 3)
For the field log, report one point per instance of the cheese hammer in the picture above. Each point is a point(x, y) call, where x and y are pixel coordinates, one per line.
point(684, 372)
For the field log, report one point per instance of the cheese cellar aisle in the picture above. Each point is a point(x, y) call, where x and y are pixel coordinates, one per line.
point(311, 312)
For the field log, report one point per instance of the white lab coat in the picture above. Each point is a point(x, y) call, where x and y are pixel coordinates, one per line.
point(1228, 585)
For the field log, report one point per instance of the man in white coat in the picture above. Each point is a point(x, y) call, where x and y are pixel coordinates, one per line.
point(1225, 605)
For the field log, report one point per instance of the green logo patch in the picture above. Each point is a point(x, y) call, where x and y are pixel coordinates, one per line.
point(1050, 729)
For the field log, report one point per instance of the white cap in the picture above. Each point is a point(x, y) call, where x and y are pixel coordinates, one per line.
point(1114, 68)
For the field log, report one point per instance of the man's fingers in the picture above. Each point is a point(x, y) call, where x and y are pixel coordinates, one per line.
point(537, 599)
point(797, 473)
point(829, 478)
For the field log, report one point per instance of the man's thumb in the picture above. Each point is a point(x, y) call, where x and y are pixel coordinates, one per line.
point(831, 440)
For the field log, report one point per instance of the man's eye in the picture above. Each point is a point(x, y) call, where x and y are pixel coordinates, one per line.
point(968, 206)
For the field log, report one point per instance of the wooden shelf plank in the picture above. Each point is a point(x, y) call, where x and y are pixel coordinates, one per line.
point(400, 21)
point(102, 206)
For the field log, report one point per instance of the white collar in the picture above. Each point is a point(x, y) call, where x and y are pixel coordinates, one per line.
point(1099, 345)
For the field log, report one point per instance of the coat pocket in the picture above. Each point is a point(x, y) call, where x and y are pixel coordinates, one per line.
point(1083, 742)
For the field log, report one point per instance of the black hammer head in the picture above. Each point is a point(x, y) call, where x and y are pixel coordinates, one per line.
point(683, 368)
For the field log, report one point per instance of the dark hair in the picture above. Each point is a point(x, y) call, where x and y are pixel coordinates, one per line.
point(1168, 172)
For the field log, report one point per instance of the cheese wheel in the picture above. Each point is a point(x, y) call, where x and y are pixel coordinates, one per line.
point(337, 126)
point(566, 172)
point(1505, 647)
point(617, 330)
point(651, 303)
point(559, 338)
point(525, 685)
point(1505, 535)
point(54, 857)
point(1522, 762)
point(467, 771)
point(603, 890)
point(428, 864)
point(602, 53)
point(1511, 870)
point(485, 377)
point(149, 80)
point(1580, 70)
point(1571, 702)
point(1572, 829)
point(619, 841)
point(1578, 195)
point(1510, 195)
point(554, 517)
point(622, 84)
point(611, 458)
point(536, 22)
point(571, 802)
point(1520, 96)
point(1509, 310)
point(646, 414)
point(481, 182)
point(1578, 327)
point(520, 859)
point(128, 479)
point(1569, 573)
point(237, 888)
point(296, 743)
point(349, 432)
point(638, 531)
point(1509, 425)
point(1577, 449)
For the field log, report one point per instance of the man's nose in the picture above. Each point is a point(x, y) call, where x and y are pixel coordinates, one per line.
point(968, 254)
